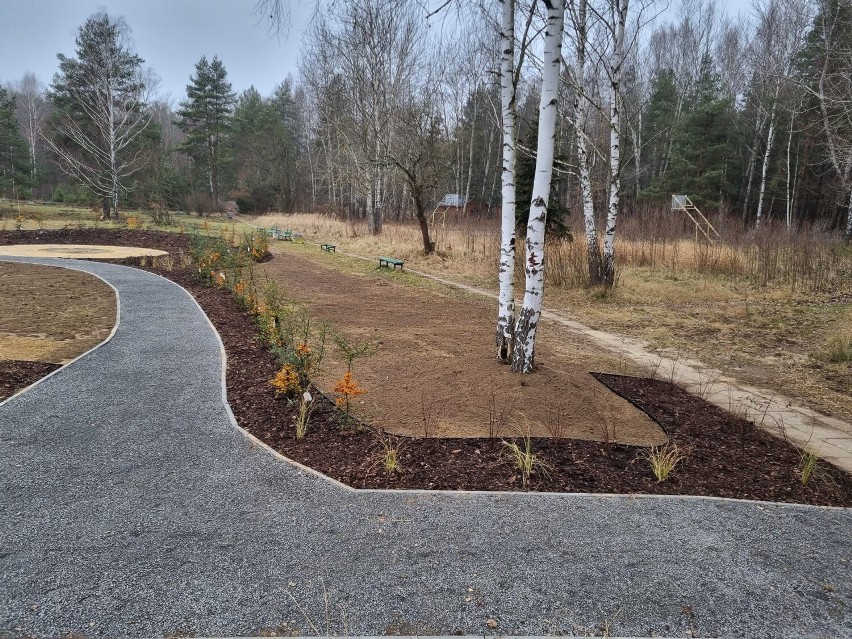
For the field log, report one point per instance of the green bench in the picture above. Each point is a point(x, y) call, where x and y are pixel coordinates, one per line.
point(390, 262)
point(278, 234)
point(331, 248)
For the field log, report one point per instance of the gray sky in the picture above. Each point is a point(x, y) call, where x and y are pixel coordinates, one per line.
point(171, 35)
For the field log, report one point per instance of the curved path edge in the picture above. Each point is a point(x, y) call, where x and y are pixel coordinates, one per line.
point(121, 520)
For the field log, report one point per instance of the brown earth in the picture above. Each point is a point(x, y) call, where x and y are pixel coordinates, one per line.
point(434, 370)
point(52, 314)
point(724, 455)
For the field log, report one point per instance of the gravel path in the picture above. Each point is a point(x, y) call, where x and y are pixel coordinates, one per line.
point(131, 506)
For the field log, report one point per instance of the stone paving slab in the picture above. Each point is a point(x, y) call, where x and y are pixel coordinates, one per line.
point(132, 506)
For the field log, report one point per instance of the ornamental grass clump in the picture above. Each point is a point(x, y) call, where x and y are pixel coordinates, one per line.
point(663, 460)
point(524, 459)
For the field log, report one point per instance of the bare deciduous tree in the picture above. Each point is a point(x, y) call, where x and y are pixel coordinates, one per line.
point(100, 100)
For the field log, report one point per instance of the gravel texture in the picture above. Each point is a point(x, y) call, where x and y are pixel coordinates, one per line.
point(130, 505)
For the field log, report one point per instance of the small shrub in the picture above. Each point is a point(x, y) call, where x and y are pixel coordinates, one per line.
point(132, 222)
point(663, 460)
point(286, 380)
point(347, 389)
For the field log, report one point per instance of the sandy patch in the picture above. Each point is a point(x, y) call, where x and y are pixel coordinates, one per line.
point(78, 251)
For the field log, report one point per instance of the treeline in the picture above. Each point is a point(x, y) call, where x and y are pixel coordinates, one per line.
point(391, 111)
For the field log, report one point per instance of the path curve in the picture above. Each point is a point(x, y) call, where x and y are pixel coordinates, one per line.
point(131, 506)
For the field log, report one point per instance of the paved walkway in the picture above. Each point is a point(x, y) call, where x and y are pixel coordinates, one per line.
point(132, 506)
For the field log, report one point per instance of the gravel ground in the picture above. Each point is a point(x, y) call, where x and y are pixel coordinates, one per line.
point(131, 506)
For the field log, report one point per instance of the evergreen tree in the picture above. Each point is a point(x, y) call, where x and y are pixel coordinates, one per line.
point(14, 158)
point(659, 119)
point(206, 118)
point(701, 144)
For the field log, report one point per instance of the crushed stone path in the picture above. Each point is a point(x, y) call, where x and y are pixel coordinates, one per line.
point(827, 437)
point(132, 506)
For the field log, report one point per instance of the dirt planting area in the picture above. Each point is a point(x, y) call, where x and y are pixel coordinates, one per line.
point(50, 315)
point(433, 371)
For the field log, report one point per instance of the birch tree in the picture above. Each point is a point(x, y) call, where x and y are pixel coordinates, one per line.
point(523, 351)
point(834, 92)
point(506, 310)
point(780, 30)
point(99, 97)
point(616, 27)
point(31, 109)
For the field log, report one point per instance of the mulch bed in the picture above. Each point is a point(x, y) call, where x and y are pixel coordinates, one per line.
point(724, 455)
point(16, 375)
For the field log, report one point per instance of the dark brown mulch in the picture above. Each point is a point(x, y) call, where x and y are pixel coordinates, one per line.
point(723, 455)
point(16, 375)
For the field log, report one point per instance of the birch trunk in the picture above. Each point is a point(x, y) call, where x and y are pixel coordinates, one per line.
point(506, 297)
point(770, 138)
point(619, 15)
point(848, 233)
point(789, 203)
point(523, 351)
point(581, 108)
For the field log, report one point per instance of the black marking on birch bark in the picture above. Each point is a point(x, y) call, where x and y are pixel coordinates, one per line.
point(548, 4)
point(539, 201)
point(512, 242)
point(553, 101)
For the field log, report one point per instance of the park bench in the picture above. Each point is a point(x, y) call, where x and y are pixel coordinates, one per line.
point(331, 248)
point(278, 234)
point(390, 262)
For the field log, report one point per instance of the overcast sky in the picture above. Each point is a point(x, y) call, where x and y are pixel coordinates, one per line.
point(171, 35)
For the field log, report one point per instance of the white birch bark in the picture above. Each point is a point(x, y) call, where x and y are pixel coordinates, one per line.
point(523, 352)
point(506, 297)
point(619, 19)
point(581, 111)
point(770, 138)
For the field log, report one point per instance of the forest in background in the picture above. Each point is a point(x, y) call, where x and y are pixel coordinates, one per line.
point(388, 114)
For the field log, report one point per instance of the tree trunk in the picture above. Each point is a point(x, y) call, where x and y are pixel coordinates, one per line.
point(523, 350)
point(619, 17)
point(506, 297)
point(848, 233)
point(770, 137)
point(420, 212)
point(581, 106)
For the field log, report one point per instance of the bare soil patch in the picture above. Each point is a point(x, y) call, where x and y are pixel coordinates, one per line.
point(78, 251)
point(52, 314)
point(435, 371)
point(724, 455)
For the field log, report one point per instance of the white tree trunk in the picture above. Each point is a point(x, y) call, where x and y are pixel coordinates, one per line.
point(789, 189)
point(619, 19)
point(848, 233)
point(770, 138)
point(523, 352)
point(581, 110)
point(506, 311)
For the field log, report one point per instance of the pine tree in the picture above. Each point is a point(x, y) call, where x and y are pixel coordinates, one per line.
point(701, 143)
point(206, 118)
point(14, 156)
